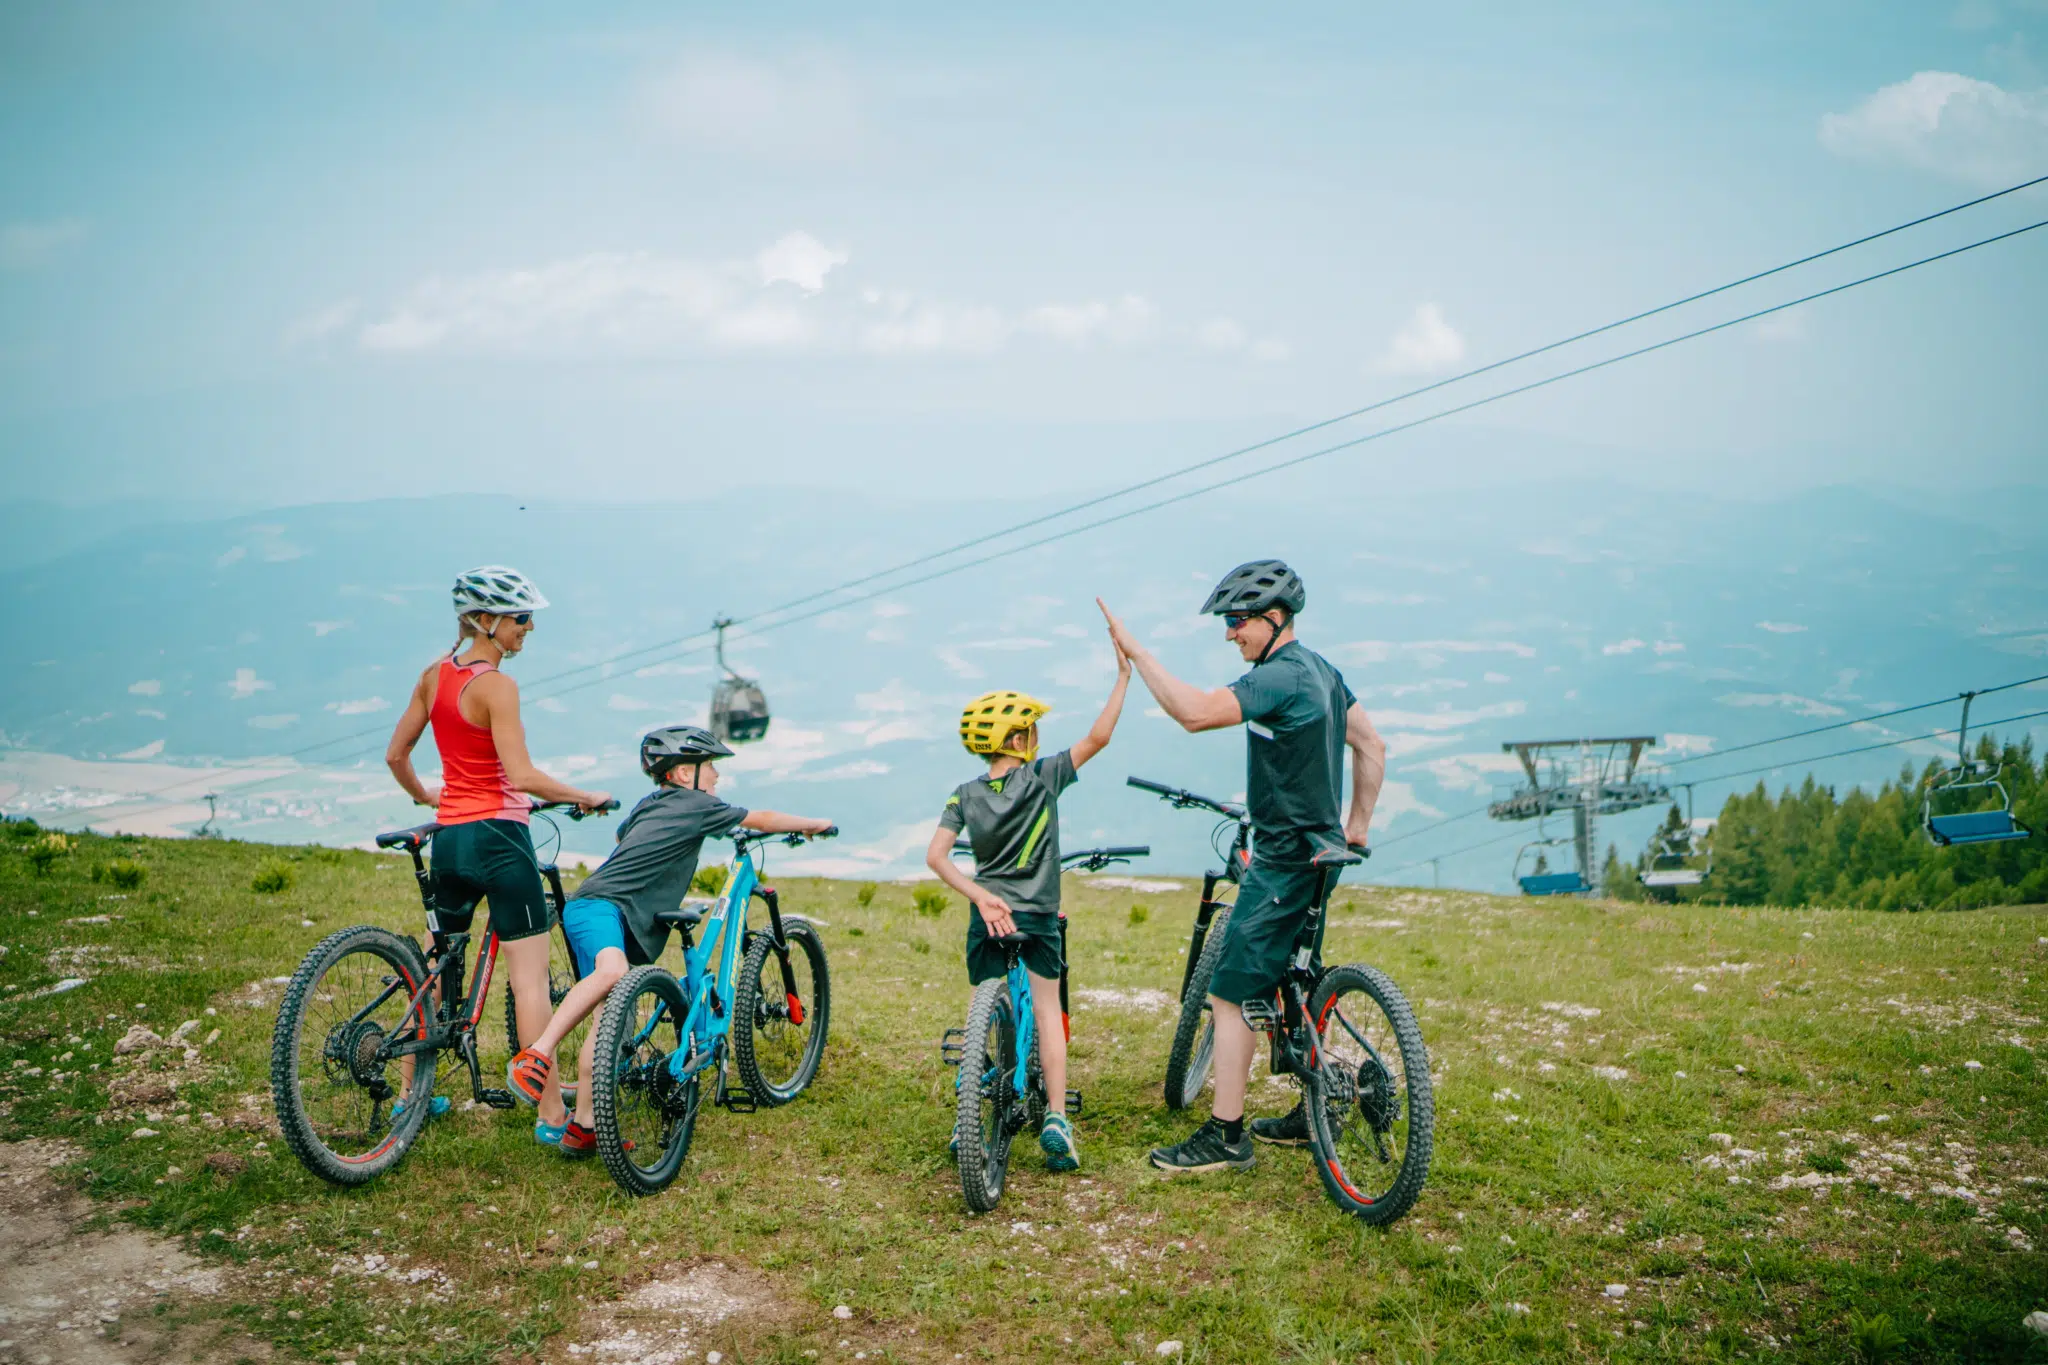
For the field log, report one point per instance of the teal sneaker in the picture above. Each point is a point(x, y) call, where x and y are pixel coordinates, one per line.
point(1056, 1139)
point(436, 1107)
point(550, 1134)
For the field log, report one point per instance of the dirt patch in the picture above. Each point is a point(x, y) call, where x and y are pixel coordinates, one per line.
point(670, 1319)
point(1139, 998)
point(70, 1296)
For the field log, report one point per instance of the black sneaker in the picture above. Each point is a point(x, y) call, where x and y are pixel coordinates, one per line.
point(1290, 1130)
point(1206, 1151)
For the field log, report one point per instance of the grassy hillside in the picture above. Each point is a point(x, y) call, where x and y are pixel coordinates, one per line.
point(1789, 1134)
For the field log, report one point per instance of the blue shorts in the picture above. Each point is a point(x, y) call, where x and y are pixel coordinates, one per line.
point(592, 926)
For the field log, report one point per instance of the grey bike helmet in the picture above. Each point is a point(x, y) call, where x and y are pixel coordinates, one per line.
point(1255, 587)
point(674, 745)
point(496, 591)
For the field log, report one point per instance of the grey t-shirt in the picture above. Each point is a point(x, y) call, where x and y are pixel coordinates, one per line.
point(1294, 708)
point(1013, 822)
point(656, 857)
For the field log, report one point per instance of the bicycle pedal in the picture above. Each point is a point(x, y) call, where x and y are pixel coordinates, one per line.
point(1074, 1103)
point(738, 1102)
point(1259, 1015)
point(953, 1047)
point(497, 1099)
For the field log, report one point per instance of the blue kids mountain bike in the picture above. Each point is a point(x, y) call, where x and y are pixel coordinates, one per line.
point(1001, 1089)
point(659, 1040)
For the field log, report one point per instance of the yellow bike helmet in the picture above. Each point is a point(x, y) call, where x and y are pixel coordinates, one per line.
point(990, 719)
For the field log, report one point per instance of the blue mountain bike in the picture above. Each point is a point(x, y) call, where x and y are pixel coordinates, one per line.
point(660, 1040)
point(1001, 1089)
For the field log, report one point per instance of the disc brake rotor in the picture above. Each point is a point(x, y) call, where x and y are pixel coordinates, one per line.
point(353, 1051)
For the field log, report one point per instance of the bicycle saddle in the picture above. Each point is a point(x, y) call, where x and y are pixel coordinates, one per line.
point(408, 838)
point(682, 917)
point(1011, 940)
point(1333, 857)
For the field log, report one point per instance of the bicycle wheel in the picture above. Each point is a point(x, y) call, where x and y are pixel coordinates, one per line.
point(778, 1038)
point(989, 1112)
point(644, 1116)
point(1371, 1113)
point(331, 1079)
point(561, 976)
point(1194, 1038)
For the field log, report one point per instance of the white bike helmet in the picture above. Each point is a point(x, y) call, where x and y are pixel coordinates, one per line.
point(496, 591)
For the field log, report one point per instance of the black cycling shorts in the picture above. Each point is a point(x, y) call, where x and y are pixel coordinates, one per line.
point(988, 960)
point(488, 860)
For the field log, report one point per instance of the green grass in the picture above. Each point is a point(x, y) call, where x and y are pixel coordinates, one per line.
point(1651, 1144)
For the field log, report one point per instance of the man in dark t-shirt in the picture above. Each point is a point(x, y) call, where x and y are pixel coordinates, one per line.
point(1299, 718)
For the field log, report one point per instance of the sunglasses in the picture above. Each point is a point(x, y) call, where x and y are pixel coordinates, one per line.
point(1235, 619)
point(520, 618)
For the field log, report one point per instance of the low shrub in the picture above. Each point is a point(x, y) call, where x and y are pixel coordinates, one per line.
point(929, 901)
point(273, 877)
point(1139, 914)
point(44, 852)
point(709, 881)
point(24, 828)
point(125, 873)
point(865, 896)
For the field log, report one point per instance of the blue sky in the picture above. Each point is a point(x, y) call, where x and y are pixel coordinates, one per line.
point(334, 252)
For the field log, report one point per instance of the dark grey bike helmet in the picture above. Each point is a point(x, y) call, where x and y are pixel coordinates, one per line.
point(1255, 587)
point(674, 745)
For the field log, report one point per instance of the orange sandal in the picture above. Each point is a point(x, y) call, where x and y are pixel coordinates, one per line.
point(527, 1074)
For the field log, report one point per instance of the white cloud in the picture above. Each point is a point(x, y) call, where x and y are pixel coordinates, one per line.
point(149, 750)
point(1228, 336)
point(671, 669)
point(1949, 124)
point(1447, 719)
point(891, 698)
point(366, 706)
point(1493, 677)
point(899, 323)
point(1628, 646)
point(273, 722)
point(801, 259)
point(29, 246)
point(1427, 344)
point(1686, 744)
point(1669, 647)
point(321, 628)
point(1791, 701)
point(318, 326)
point(619, 701)
point(1780, 627)
point(844, 772)
point(1428, 653)
point(799, 107)
point(1399, 798)
point(1471, 772)
point(151, 712)
point(246, 684)
point(147, 687)
point(957, 664)
point(554, 705)
point(1789, 325)
point(1122, 322)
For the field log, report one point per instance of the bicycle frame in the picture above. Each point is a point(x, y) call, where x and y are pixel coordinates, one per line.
point(1231, 873)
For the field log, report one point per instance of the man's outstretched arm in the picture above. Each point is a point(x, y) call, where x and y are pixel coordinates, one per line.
point(1192, 708)
point(1368, 772)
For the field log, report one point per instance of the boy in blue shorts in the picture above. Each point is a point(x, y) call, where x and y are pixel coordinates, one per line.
point(1011, 817)
point(611, 925)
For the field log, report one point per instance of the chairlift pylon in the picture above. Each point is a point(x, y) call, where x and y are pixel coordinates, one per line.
point(1969, 826)
point(1534, 883)
point(739, 709)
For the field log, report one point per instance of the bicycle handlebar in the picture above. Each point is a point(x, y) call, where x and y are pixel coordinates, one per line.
point(747, 838)
point(1095, 859)
point(574, 811)
point(1181, 799)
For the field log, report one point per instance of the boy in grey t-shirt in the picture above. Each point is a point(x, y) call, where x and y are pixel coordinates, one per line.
point(1011, 819)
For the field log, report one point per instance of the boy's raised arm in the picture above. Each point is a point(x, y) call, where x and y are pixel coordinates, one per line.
point(1097, 738)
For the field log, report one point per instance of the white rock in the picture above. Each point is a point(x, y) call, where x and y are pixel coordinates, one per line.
point(1973, 1066)
point(713, 1357)
point(1699, 987)
point(143, 1133)
point(1722, 1139)
point(1616, 1291)
point(1679, 1074)
point(2037, 1320)
point(842, 1312)
point(138, 1038)
point(184, 1030)
point(1166, 1348)
point(1518, 1309)
point(1880, 1118)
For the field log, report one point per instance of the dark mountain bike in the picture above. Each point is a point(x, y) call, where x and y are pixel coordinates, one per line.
point(1194, 1035)
point(1000, 1091)
point(363, 1020)
point(1348, 1038)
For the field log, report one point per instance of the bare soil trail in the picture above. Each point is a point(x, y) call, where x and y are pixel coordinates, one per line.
point(71, 1294)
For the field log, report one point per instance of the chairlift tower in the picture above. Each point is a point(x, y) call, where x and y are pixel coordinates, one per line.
point(1588, 778)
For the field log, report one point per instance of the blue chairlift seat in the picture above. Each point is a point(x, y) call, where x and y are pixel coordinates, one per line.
point(1976, 827)
point(1555, 884)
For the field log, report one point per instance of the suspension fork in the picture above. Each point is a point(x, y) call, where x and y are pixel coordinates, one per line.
point(1204, 914)
point(780, 942)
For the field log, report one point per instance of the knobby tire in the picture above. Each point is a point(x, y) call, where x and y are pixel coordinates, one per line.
point(1194, 1038)
point(639, 1078)
point(758, 1007)
point(988, 1060)
point(1349, 1176)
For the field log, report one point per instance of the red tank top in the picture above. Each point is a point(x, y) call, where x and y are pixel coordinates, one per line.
point(473, 782)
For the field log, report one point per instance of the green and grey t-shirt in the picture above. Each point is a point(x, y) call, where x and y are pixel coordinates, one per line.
point(656, 858)
point(1294, 708)
point(1013, 822)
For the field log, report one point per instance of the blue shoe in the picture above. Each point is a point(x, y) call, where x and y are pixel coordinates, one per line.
point(550, 1134)
point(436, 1107)
point(1056, 1139)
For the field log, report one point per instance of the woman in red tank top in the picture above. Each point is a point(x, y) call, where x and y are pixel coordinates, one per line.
point(483, 850)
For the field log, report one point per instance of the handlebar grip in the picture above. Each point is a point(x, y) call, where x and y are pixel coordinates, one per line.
point(829, 832)
point(1130, 851)
point(1147, 785)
